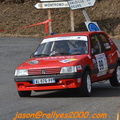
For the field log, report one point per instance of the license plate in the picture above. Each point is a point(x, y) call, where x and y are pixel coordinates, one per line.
point(43, 81)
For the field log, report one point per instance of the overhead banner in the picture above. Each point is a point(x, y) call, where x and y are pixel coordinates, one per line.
point(77, 4)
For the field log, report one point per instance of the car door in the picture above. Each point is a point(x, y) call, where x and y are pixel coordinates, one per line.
point(99, 60)
point(109, 53)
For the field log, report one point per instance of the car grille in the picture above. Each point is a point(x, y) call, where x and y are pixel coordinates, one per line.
point(43, 71)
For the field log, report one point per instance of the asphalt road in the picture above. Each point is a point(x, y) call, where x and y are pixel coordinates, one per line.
point(13, 51)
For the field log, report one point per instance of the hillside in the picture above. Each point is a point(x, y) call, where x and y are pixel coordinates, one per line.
point(14, 15)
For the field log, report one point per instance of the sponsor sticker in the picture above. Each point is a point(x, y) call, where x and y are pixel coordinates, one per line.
point(111, 71)
point(111, 42)
point(79, 67)
point(101, 73)
point(68, 60)
point(83, 38)
point(94, 62)
point(32, 62)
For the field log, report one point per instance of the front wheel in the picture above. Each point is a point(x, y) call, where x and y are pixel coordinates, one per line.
point(24, 93)
point(86, 85)
point(115, 79)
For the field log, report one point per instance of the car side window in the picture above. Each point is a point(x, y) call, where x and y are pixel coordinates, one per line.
point(95, 45)
point(105, 42)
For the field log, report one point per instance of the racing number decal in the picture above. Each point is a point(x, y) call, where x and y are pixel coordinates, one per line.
point(101, 64)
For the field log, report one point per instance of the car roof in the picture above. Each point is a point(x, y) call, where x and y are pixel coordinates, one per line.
point(74, 34)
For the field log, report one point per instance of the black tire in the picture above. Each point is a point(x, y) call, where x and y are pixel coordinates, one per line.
point(24, 93)
point(86, 85)
point(115, 79)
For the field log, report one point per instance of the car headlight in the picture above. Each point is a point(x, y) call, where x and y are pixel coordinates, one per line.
point(22, 72)
point(70, 69)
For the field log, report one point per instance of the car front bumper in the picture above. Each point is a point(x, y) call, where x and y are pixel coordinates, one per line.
point(63, 81)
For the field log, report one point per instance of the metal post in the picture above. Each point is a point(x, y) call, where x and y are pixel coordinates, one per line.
point(49, 24)
point(85, 15)
point(72, 20)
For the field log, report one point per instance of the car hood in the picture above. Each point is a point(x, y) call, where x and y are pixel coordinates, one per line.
point(51, 62)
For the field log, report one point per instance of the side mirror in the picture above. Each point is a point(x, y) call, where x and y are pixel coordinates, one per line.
point(32, 55)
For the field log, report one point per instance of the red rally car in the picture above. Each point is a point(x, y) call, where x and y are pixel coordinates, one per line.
point(72, 60)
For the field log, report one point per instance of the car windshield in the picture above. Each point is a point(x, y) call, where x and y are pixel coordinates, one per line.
point(57, 46)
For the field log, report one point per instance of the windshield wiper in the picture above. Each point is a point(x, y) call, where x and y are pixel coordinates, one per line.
point(76, 53)
point(60, 53)
point(40, 55)
point(64, 53)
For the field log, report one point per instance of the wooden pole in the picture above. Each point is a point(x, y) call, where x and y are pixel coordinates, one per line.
point(118, 116)
point(50, 23)
point(72, 20)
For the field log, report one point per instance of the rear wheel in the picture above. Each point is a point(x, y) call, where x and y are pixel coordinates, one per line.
point(115, 79)
point(24, 93)
point(86, 85)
